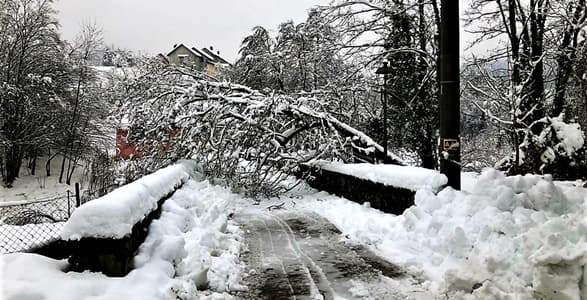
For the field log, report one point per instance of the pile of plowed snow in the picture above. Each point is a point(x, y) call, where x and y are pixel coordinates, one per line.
point(522, 237)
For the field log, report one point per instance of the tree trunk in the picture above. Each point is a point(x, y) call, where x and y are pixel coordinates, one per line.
point(67, 176)
point(48, 164)
point(428, 153)
point(70, 144)
point(564, 62)
point(566, 56)
point(534, 90)
point(515, 42)
point(34, 165)
point(62, 167)
point(581, 77)
point(12, 164)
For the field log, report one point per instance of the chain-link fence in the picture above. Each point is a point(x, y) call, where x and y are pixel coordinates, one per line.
point(25, 225)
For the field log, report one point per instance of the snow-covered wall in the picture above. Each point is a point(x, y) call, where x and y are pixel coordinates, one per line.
point(114, 215)
point(388, 188)
point(410, 178)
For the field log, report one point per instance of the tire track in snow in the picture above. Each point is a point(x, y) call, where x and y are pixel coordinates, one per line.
point(300, 256)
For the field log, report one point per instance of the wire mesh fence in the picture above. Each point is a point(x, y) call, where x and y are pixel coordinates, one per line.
point(24, 225)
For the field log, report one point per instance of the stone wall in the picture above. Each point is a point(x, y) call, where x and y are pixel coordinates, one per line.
point(386, 198)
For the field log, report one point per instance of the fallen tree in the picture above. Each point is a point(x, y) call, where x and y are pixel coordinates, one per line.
point(251, 140)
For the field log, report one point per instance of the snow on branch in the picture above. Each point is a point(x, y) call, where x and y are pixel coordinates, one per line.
point(250, 139)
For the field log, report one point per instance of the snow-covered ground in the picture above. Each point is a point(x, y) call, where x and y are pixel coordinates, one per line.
point(522, 237)
point(193, 245)
point(40, 186)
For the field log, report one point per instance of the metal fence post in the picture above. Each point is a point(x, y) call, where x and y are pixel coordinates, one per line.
point(78, 201)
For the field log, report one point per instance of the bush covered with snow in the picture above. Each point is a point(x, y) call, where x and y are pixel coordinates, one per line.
point(519, 237)
point(559, 149)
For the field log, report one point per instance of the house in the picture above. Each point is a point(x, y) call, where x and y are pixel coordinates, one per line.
point(203, 59)
point(124, 149)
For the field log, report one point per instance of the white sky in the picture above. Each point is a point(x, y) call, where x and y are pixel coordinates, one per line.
point(155, 26)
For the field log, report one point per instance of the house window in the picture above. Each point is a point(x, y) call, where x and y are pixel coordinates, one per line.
point(182, 58)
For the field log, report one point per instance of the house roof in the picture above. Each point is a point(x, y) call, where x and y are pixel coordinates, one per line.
point(217, 57)
point(204, 53)
point(196, 53)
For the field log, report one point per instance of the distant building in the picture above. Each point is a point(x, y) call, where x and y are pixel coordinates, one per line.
point(203, 59)
point(163, 58)
point(97, 57)
point(124, 149)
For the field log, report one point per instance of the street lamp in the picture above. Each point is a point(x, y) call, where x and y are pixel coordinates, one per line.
point(450, 109)
point(385, 70)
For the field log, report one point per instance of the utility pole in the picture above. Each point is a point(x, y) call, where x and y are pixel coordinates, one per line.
point(450, 106)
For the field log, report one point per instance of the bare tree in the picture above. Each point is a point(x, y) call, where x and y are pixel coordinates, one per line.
point(33, 79)
point(571, 21)
point(538, 62)
point(405, 33)
point(88, 41)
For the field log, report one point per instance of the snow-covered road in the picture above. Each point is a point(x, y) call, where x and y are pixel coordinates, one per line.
point(300, 255)
point(504, 238)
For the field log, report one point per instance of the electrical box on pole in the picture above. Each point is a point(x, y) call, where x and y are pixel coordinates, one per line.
point(450, 107)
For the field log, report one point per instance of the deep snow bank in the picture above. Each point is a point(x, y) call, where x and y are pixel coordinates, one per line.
point(115, 214)
point(520, 237)
point(212, 246)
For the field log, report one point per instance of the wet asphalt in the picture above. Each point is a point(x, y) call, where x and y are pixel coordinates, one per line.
point(295, 255)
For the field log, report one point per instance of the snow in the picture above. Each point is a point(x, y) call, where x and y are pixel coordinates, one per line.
point(48, 281)
point(519, 237)
point(507, 238)
point(468, 181)
point(570, 135)
point(212, 245)
point(191, 246)
point(40, 186)
point(115, 214)
point(411, 178)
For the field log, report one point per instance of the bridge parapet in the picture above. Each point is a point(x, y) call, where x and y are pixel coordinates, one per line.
point(389, 188)
point(104, 235)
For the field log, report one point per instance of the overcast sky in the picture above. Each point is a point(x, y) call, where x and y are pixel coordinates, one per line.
point(156, 25)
